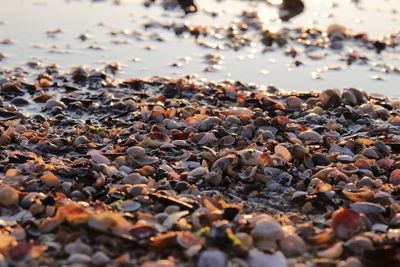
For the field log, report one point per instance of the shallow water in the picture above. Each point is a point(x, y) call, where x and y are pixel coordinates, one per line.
point(26, 22)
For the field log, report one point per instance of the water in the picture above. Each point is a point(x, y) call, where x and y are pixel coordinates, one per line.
point(26, 22)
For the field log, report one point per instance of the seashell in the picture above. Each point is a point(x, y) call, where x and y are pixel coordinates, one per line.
point(180, 143)
point(358, 194)
point(249, 156)
point(198, 172)
point(77, 258)
point(331, 98)
point(345, 223)
point(238, 112)
point(298, 151)
point(293, 103)
point(228, 140)
point(248, 173)
point(223, 163)
point(367, 208)
point(341, 150)
point(110, 222)
point(370, 153)
point(173, 218)
point(283, 152)
point(155, 139)
point(159, 263)
point(260, 259)
point(128, 205)
point(323, 174)
point(349, 169)
point(323, 238)
point(51, 103)
point(212, 258)
point(6, 241)
point(292, 245)
point(187, 240)
point(395, 177)
point(78, 247)
point(353, 96)
point(143, 161)
point(265, 160)
point(394, 120)
point(99, 159)
point(310, 136)
point(209, 123)
point(50, 179)
point(80, 140)
point(134, 178)
point(345, 158)
point(385, 163)
point(266, 228)
point(278, 175)
point(136, 151)
point(8, 196)
point(207, 139)
point(76, 214)
point(359, 244)
point(333, 252)
point(364, 163)
point(366, 181)
point(213, 178)
point(100, 258)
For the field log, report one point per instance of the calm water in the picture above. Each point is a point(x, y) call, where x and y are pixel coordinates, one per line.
point(26, 22)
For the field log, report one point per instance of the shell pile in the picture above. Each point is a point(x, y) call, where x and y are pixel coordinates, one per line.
point(165, 172)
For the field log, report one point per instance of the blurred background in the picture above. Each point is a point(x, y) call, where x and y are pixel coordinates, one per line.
point(294, 44)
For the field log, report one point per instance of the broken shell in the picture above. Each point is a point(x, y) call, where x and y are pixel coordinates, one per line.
point(345, 223)
point(249, 156)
